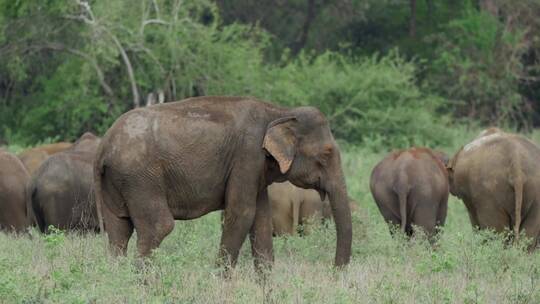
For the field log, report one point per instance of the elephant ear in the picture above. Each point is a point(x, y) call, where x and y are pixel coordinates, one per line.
point(280, 142)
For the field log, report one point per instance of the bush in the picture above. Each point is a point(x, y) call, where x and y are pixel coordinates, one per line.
point(83, 83)
point(367, 100)
point(479, 68)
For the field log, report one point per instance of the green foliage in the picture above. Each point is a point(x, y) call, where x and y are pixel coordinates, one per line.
point(67, 67)
point(478, 69)
point(367, 100)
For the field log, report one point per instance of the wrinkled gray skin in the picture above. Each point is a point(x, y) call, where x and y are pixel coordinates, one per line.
point(13, 179)
point(497, 176)
point(61, 190)
point(293, 207)
point(184, 159)
point(410, 187)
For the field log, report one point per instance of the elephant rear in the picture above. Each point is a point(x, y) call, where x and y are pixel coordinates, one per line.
point(13, 180)
point(410, 187)
point(62, 195)
point(497, 176)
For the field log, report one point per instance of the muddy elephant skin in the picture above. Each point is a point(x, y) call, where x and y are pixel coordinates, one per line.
point(497, 176)
point(182, 160)
point(410, 187)
point(13, 180)
point(61, 193)
point(34, 157)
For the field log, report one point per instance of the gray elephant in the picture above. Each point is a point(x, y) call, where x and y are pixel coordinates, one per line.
point(33, 158)
point(61, 193)
point(13, 179)
point(182, 160)
point(294, 207)
point(410, 187)
point(497, 176)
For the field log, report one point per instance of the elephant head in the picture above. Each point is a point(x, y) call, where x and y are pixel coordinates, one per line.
point(88, 142)
point(442, 157)
point(308, 156)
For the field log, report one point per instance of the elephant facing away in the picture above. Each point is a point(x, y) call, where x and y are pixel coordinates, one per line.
point(497, 176)
point(410, 187)
point(293, 206)
point(182, 160)
point(61, 191)
point(13, 179)
point(34, 157)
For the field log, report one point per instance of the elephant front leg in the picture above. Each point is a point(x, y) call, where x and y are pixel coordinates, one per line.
point(260, 235)
point(239, 215)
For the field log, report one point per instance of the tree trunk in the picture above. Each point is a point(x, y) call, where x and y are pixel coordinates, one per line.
point(430, 12)
point(489, 6)
point(412, 20)
point(301, 42)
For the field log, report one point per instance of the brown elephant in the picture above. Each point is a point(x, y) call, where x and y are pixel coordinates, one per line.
point(61, 191)
point(34, 157)
point(497, 176)
point(13, 179)
point(293, 206)
point(182, 160)
point(410, 187)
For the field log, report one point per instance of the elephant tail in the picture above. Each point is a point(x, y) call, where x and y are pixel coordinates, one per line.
point(402, 197)
point(518, 198)
point(98, 174)
point(33, 208)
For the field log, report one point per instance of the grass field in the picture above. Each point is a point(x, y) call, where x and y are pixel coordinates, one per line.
point(466, 266)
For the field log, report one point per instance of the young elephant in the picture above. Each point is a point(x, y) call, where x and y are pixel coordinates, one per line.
point(293, 206)
point(182, 160)
point(61, 191)
point(497, 176)
point(13, 179)
point(411, 187)
point(34, 157)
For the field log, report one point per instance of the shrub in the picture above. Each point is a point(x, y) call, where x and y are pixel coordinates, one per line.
point(367, 100)
point(479, 68)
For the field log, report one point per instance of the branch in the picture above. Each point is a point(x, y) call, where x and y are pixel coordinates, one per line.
point(90, 59)
point(299, 45)
point(129, 67)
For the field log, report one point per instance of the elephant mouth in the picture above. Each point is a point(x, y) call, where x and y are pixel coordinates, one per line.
point(322, 194)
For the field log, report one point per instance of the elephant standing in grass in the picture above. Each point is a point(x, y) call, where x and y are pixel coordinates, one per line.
point(34, 157)
point(13, 180)
point(61, 192)
point(497, 176)
point(182, 160)
point(293, 206)
point(410, 187)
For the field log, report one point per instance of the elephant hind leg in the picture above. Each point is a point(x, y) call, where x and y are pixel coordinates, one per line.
point(531, 226)
point(152, 219)
point(425, 212)
point(119, 231)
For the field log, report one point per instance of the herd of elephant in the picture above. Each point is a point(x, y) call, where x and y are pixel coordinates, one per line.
point(270, 169)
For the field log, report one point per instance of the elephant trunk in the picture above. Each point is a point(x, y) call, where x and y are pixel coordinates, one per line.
point(339, 202)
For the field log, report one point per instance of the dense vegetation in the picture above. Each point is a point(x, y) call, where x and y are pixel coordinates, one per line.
point(386, 72)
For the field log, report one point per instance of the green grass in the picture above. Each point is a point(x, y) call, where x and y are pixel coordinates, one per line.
point(466, 267)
